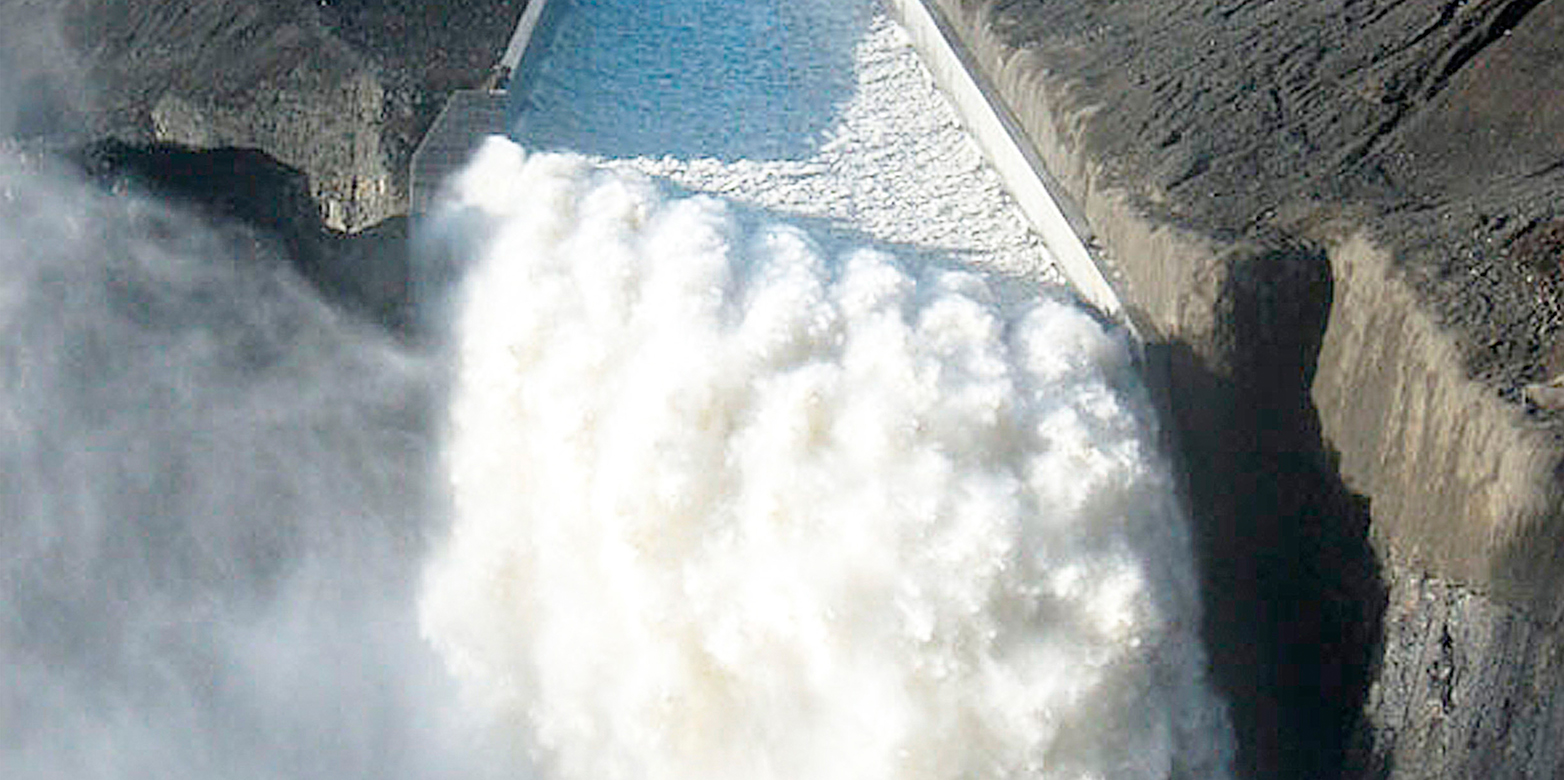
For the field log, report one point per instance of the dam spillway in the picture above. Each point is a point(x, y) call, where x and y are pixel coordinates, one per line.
point(824, 114)
point(774, 457)
point(774, 346)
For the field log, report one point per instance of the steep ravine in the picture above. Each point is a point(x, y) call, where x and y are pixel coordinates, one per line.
point(1338, 220)
point(1350, 302)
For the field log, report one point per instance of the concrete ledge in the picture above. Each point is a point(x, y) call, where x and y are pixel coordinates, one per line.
point(468, 117)
point(472, 115)
point(1049, 209)
point(521, 39)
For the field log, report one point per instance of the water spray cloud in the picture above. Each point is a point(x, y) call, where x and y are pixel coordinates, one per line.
point(731, 505)
point(213, 496)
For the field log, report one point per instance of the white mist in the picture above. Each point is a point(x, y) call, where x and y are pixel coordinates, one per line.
point(215, 492)
point(730, 505)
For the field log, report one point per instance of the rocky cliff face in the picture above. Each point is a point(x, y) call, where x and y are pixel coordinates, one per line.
point(294, 118)
point(365, 273)
point(1339, 221)
point(341, 90)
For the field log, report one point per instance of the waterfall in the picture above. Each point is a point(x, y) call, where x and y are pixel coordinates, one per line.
point(731, 503)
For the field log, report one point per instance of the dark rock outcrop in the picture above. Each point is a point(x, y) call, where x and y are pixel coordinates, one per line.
point(365, 273)
point(1338, 221)
point(296, 119)
point(341, 90)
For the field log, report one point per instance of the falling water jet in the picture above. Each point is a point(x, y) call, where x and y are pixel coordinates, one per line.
point(728, 505)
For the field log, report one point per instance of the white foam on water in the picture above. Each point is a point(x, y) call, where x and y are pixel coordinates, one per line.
point(730, 504)
point(733, 499)
point(810, 108)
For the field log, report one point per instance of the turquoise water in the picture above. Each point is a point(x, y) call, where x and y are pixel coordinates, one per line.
point(691, 78)
point(816, 111)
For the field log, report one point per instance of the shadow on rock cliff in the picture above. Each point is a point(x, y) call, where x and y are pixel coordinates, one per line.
point(365, 273)
point(1292, 590)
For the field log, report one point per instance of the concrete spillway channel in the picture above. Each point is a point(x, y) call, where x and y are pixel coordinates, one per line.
point(472, 115)
point(820, 115)
point(1072, 250)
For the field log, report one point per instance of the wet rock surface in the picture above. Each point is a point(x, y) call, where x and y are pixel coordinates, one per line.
point(1340, 221)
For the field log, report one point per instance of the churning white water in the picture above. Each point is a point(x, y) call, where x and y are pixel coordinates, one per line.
point(730, 504)
point(802, 481)
point(793, 482)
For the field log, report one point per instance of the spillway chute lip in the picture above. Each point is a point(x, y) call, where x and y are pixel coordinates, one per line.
point(1052, 213)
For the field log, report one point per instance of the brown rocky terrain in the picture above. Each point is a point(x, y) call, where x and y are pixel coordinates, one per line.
point(340, 90)
point(296, 118)
point(1339, 224)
